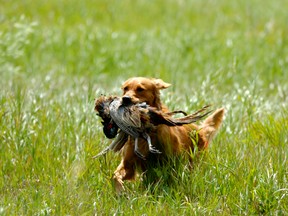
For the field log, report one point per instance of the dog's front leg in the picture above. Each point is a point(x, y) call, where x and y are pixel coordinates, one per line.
point(127, 167)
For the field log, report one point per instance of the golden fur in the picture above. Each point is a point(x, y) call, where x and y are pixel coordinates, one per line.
point(169, 140)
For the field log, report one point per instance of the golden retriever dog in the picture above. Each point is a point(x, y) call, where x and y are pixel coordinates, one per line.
point(170, 140)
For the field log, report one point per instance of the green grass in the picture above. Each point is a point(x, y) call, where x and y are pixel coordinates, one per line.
point(57, 56)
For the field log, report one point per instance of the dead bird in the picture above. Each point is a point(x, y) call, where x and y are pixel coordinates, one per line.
point(135, 120)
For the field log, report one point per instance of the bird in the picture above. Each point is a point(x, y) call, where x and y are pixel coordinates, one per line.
point(136, 120)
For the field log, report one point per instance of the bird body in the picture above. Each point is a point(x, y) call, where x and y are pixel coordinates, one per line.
point(130, 119)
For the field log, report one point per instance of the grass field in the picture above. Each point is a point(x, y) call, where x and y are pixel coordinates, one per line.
point(57, 56)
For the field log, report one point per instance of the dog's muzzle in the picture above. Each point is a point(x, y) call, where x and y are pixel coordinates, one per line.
point(126, 99)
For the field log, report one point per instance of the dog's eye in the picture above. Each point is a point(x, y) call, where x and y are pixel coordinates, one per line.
point(139, 89)
point(125, 89)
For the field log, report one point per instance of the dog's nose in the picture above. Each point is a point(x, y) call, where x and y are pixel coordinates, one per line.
point(126, 99)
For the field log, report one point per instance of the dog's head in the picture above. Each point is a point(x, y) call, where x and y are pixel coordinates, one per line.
point(141, 89)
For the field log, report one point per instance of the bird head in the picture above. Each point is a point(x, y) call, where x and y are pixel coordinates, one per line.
point(110, 129)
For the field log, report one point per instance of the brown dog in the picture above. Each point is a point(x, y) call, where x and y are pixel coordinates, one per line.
point(169, 140)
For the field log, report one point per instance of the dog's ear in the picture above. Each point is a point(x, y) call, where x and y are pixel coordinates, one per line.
point(160, 84)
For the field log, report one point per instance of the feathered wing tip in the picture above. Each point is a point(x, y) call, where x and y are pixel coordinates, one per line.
point(119, 141)
point(196, 116)
point(115, 146)
point(176, 112)
point(103, 152)
point(157, 117)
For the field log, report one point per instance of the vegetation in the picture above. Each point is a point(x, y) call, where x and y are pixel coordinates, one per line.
point(57, 56)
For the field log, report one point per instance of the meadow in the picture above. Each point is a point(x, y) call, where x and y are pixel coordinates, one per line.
point(57, 56)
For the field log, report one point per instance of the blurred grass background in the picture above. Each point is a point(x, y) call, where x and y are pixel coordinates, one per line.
point(57, 56)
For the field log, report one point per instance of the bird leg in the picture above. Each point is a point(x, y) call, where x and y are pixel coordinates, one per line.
point(152, 149)
point(136, 149)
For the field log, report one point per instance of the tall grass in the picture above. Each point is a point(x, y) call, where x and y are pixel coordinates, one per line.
point(57, 56)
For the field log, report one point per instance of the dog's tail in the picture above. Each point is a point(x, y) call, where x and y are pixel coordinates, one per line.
point(211, 125)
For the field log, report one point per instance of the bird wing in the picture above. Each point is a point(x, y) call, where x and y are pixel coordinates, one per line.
point(126, 117)
point(198, 115)
point(157, 117)
point(103, 152)
point(119, 141)
point(131, 116)
point(116, 145)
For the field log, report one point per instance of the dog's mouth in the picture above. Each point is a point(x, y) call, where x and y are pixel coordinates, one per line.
point(127, 100)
